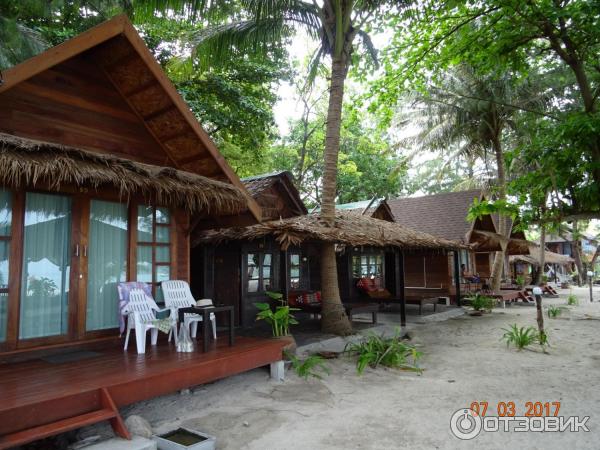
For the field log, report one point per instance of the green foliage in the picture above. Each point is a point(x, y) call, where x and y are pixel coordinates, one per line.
point(368, 166)
point(557, 150)
point(572, 300)
point(378, 350)
point(313, 366)
point(554, 311)
point(520, 280)
point(274, 295)
point(280, 319)
point(481, 302)
point(521, 337)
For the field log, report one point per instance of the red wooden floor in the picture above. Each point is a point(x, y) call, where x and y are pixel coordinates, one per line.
point(39, 396)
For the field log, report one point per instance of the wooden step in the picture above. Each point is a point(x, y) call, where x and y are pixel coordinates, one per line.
point(54, 428)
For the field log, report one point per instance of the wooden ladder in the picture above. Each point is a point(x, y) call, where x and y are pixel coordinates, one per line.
point(106, 410)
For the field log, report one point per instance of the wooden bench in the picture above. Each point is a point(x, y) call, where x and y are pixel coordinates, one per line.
point(424, 301)
point(350, 308)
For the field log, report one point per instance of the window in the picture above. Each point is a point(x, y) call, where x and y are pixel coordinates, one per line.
point(153, 247)
point(5, 229)
point(367, 265)
point(259, 268)
point(295, 270)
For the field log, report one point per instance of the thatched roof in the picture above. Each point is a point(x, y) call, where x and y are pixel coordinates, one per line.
point(349, 229)
point(549, 257)
point(25, 162)
point(489, 241)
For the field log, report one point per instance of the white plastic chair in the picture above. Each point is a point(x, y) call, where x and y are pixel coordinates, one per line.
point(177, 294)
point(141, 313)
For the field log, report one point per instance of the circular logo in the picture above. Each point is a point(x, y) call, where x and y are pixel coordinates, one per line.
point(465, 424)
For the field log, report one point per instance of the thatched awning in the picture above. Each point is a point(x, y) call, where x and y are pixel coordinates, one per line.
point(349, 229)
point(489, 242)
point(549, 257)
point(30, 163)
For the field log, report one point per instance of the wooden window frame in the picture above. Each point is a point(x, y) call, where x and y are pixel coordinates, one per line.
point(261, 253)
point(153, 244)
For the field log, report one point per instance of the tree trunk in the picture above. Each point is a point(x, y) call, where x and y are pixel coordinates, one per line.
point(504, 227)
point(577, 254)
point(333, 318)
point(540, 274)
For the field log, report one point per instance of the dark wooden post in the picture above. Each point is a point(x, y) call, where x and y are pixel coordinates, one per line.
point(399, 276)
point(457, 277)
point(286, 273)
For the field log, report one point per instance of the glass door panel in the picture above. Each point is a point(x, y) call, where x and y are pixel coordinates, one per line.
point(46, 266)
point(107, 263)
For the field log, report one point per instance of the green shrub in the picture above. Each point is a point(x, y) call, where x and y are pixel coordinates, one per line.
point(309, 367)
point(389, 352)
point(572, 300)
point(520, 280)
point(280, 319)
point(554, 311)
point(481, 302)
point(523, 337)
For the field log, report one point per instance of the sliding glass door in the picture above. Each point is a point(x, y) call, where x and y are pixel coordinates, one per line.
point(107, 263)
point(45, 275)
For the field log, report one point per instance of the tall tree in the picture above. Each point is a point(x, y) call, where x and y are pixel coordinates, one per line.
point(336, 25)
point(557, 35)
point(476, 114)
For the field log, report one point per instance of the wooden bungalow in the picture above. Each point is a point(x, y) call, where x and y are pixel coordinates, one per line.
point(444, 216)
point(104, 173)
point(376, 208)
point(283, 255)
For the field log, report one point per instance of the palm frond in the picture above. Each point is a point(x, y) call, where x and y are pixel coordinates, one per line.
point(369, 46)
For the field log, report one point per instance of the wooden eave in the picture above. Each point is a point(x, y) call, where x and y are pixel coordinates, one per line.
point(118, 47)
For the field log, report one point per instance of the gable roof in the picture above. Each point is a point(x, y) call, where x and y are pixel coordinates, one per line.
point(442, 215)
point(275, 192)
point(377, 208)
point(123, 63)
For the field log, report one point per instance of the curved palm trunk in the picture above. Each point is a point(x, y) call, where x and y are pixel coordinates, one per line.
point(334, 319)
point(504, 227)
point(540, 274)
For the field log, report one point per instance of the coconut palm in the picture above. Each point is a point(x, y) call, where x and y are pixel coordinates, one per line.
point(339, 26)
point(475, 116)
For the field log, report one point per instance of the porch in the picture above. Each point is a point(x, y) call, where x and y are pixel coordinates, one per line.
point(47, 396)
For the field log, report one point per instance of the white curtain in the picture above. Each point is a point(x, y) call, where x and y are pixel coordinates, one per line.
point(107, 263)
point(5, 223)
point(46, 266)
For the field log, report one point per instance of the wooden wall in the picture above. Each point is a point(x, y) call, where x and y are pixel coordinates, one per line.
point(482, 264)
point(75, 104)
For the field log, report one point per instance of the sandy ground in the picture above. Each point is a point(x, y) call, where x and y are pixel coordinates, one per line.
point(464, 361)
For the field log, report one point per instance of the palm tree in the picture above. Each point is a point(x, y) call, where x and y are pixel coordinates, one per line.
point(475, 115)
point(338, 26)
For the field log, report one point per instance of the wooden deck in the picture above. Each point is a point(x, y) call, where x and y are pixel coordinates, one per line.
point(40, 398)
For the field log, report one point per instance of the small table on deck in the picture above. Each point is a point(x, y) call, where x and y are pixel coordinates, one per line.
point(205, 311)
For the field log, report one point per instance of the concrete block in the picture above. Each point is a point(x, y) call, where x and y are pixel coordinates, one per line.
point(136, 443)
point(278, 371)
